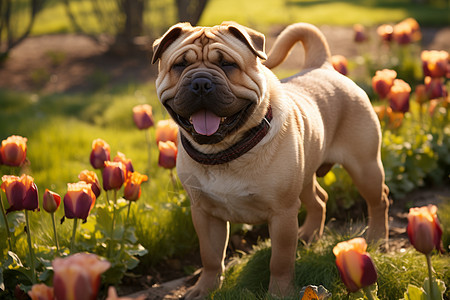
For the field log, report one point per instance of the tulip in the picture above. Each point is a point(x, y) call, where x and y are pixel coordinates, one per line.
point(399, 96)
point(41, 292)
point(13, 151)
point(434, 87)
point(415, 29)
point(120, 157)
point(380, 110)
point(385, 32)
point(421, 94)
point(407, 31)
point(132, 190)
point(51, 201)
point(167, 154)
point(424, 229)
point(355, 265)
point(360, 33)
point(100, 153)
point(340, 63)
point(21, 192)
point(383, 81)
point(79, 200)
point(113, 175)
point(77, 277)
point(143, 116)
point(166, 130)
point(395, 118)
point(90, 177)
point(435, 63)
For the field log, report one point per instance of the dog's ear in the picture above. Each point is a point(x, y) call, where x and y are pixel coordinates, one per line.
point(251, 38)
point(161, 44)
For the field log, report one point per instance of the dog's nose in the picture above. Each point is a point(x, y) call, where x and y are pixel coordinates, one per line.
point(202, 86)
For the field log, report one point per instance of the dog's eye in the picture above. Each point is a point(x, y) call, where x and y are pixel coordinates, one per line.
point(180, 66)
point(228, 65)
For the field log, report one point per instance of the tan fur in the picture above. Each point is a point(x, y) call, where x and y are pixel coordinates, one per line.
point(319, 118)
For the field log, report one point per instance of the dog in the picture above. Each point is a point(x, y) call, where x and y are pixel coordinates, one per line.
point(251, 146)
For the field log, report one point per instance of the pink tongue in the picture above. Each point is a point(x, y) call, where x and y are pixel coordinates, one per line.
point(205, 122)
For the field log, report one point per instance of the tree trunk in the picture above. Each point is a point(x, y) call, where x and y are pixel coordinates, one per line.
point(190, 10)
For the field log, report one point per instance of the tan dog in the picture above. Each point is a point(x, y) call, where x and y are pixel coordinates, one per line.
point(251, 145)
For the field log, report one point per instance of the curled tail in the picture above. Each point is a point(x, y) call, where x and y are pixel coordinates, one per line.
point(317, 53)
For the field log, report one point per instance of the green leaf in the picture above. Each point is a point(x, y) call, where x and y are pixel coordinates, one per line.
point(438, 287)
point(415, 293)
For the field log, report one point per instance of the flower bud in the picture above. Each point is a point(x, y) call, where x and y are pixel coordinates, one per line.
point(143, 116)
point(424, 229)
point(166, 130)
point(128, 166)
point(385, 32)
point(13, 151)
point(41, 292)
point(113, 175)
point(51, 201)
point(132, 190)
point(79, 200)
point(434, 63)
point(383, 81)
point(21, 192)
point(167, 154)
point(340, 63)
point(355, 265)
point(399, 96)
point(100, 153)
point(360, 33)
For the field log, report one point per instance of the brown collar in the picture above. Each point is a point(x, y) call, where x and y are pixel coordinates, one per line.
point(251, 138)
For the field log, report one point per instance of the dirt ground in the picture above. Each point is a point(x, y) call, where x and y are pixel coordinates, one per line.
point(75, 63)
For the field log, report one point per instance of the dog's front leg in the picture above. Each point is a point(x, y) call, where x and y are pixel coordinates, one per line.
point(213, 238)
point(283, 230)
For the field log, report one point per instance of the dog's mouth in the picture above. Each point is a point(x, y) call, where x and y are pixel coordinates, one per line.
point(206, 127)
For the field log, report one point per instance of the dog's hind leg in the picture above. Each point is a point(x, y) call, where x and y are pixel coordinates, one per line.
point(314, 198)
point(368, 176)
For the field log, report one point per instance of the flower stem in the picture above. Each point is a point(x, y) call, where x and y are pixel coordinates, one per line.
point(30, 248)
point(368, 293)
point(54, 231)
point(149, 149)
point(174, 181)
point(74, 231)
point(8, 233)
point(113, 224)
point(430, 274)
point(122, 241)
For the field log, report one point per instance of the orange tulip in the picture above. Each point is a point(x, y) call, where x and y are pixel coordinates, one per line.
point(415, 28)
point(79, 200)
point(41, 292)
point(166, 130)
point(383, 81)
point(399, 96)
point(360, 33)
point(120, 157)
point(113, 175)
point(424, 229)
point(51, 201)
point(167, 154)
point(407, 31)
point(385, 32)
point(340, 63)
point(355, 265)
point(395, 118)
point(143, 116)
point(77, 277)
point(132, 190)
point(21, 192)
point(90, 177)
point(434, 87)
point(13, 151)
point(100, 153)
point(435, 63)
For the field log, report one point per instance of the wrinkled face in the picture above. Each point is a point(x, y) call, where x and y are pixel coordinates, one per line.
point(210, 79)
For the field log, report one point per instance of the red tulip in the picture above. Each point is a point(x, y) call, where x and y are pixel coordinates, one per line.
point(113, 175)
point(435, 63)
point(360, 33)
point(355, 264)
point(166, 130)
point(77, 277)
point(167, 154)
point(424, 229)
point(100, 153)
point(383, 81)
point(51, 201)
point(340, 63)
point(120, 157)
point(79, 200)
point(421, 93)
point(90, 177)
point(407, 31)
point(435, 87)
point(385, 32)
point(41, 292)
point(399, 96)
point(21, 192)
point(13, 151)
point(143, 116)
point(132, 190)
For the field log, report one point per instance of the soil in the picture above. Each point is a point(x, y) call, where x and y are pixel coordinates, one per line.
point(75, 63)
